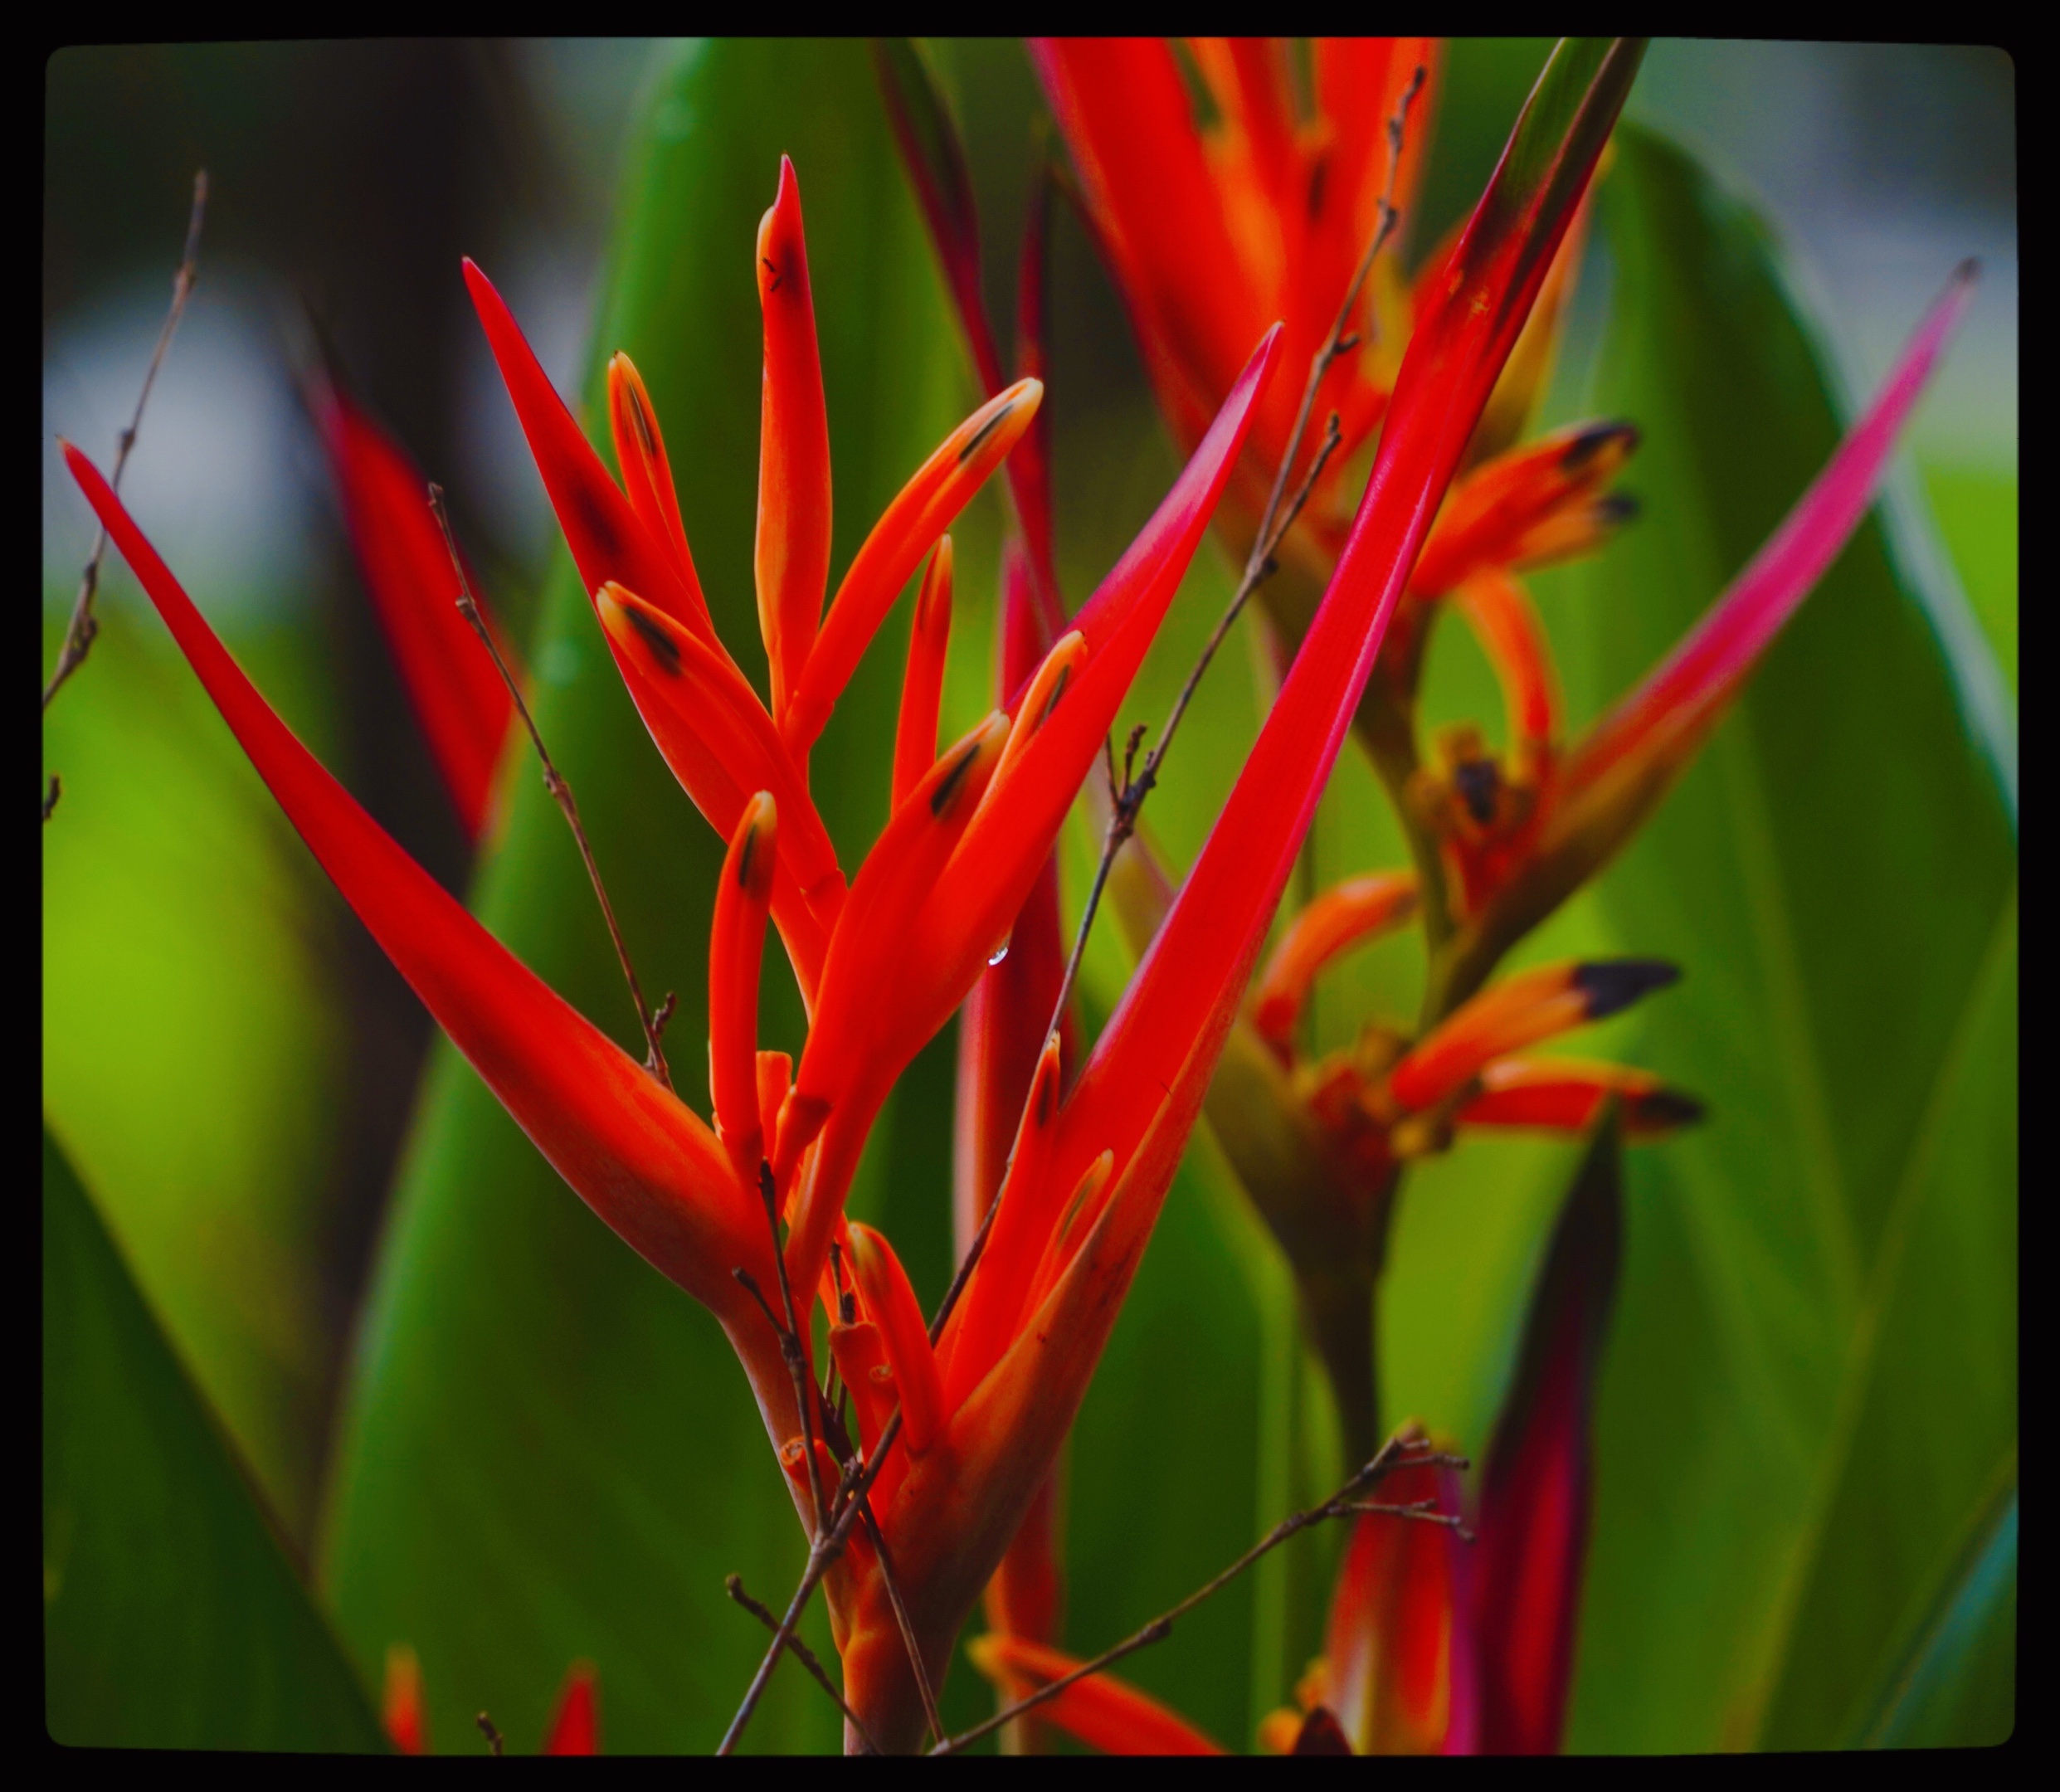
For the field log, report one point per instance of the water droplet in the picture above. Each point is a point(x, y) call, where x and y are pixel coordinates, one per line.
point(998, 954)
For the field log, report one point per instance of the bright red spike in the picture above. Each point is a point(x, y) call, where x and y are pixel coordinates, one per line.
point(1102, 1711)
point(890, 1303)
point(607, 539)
point(1348, 915)
point(639, 450)
point(457, 695)
point(575, 1725)
point(922, 683)
point(922, 509)
point(793, 547)
point(636, 1155)
point(736, 944)
point(1659, 724)
point(1536, 1493)
point(402, 1716)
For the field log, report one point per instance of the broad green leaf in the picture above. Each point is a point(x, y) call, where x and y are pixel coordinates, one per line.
point(1925, 1446)
point(171, 1618)
point(192, 1053)
point(1833, 874)
point(548, 1451)
point(1957, 1683)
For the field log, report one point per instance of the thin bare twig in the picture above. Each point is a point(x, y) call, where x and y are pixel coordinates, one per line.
point(1400, 1451)
point(494, 1746)
point(79, 630)
point(918, 1666)
point(734, 1586)
point(561, 794)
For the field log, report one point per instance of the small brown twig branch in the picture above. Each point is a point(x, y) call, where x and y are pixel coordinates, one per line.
point(494, 1745)
point(562, 795)
point(1278, 518)
point(902, 1622)
point(1400, 1451)
point(734, 1586)
point(79, 630)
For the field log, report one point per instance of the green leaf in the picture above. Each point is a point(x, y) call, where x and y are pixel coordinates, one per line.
point(548, 1451)
point(193, 1049)
point(171, 1618)
point(1834, 874)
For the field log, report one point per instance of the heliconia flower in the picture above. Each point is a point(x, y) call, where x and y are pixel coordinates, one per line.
point(1261, 212)
point(574, 1728)
point(1521, 833)
point(457, 696)
point(885, 960)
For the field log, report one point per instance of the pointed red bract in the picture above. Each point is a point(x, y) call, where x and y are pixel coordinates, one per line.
point(792, 563)
point(457, 695)
point(890, 1303)
point(1350, 914)
point(636, 1155)
point(922, 511)
point(575, 1725)
point(639, 450)
point(922, 681)
point(1536, 1493)
point(736, 944)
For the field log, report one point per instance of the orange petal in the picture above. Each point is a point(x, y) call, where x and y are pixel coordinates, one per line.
point(890, 1303)
point(922, 683)
point(1507, 628)
point(704, 700)
point(575, 1725)
point(639, 450)
point(861, 1360)
point(1566, 1094)
point(1102, 1711)
point(793, 547)
point(1537, 503)
point(939, 490)
point(1519, 1011)
point(1348, 915)
point(452, 686)
point(736, 944)
point(608, 539)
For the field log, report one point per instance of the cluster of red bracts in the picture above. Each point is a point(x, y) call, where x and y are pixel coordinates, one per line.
point(885, 957)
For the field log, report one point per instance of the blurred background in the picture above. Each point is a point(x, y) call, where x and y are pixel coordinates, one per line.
point(226, 1058)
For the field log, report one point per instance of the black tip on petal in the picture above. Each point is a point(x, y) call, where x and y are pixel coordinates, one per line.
point(1615, 508)
point(1670, 1107)
point(1593, 440)
point(1610, 984)
point(1478, 782)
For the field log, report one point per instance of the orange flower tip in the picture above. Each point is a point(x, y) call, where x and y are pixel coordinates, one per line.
point(1019, 402)
point(970, 756)
point(757, 832)
point(801, 1118)
point(618, 615)
point(1616, 441)
point(1609, 985)
point(622, 378)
